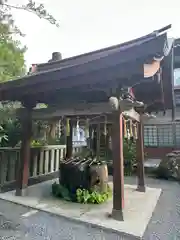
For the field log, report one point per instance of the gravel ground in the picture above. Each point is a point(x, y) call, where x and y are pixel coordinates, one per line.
point(164, 224)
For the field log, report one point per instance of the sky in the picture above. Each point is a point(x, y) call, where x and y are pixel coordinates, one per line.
point(89, 25)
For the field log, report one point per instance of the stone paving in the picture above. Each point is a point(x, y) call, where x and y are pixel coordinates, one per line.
point(164, 224)
point(137, 212)
point(42, 226)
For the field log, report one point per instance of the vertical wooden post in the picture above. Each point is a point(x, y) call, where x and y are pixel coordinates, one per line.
point(140, 157)
point(69, 143)
point(90, 137)
point(107, 142)
point(94, 139)
point(118, 166)
point(98, 142)
point(23, 165)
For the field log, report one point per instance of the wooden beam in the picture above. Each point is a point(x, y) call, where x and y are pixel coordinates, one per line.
point(81, 110)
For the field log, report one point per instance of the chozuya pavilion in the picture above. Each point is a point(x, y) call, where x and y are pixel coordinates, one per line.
point(125, 75)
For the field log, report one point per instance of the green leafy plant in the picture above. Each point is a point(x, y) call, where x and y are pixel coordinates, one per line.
point(12, 129)
point(60, 191)
point(81, 195)
point(3, 136)
point(129, 149)
point(37, 143)
point(95, 197)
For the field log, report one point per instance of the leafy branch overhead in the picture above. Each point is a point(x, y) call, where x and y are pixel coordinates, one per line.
point(31, 6)
point(12, 62)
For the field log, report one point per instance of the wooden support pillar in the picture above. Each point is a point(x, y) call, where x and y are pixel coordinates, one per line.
point(90, 145)
point(98, 142)
point(107, 143)
point(69, 143)
point(23, 165)
point(140, 157)
point(118, 166)
point(94, 140)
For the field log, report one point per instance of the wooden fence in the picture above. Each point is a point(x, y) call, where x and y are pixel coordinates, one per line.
point(44, 164)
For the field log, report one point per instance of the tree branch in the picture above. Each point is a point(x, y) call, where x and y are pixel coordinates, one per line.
point(38, 11)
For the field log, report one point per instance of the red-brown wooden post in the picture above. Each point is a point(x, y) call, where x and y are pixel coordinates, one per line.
point(140, 157)
point(23, 165)
point(118, 166)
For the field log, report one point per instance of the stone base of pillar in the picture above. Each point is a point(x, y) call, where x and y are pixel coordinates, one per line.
point(22, 192)
point(117, 215)
point(141, 189)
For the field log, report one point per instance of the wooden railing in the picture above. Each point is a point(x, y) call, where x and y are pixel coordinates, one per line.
point(44, 161)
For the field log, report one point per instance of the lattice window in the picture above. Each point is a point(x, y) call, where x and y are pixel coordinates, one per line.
point(177, 77)
point(159, 135)
point(177, 99)
point(165, 136)
point(178, 134)
point(150, 135)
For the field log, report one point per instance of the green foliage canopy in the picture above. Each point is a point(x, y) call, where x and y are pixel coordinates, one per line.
point(12, 63)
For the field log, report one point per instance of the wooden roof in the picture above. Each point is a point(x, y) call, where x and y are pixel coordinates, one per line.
point(92, 77)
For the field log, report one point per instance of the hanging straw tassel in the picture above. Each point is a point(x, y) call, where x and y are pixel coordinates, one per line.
point(77, 132)
point(105, 126)
point(59, 127)
point(92, 133)
point(110, 136)
point(135, 131)
point(110, 130)
point(87, 128)
point(77, 124)
point(131, 129)
point(125, 128)
point(67, 127)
